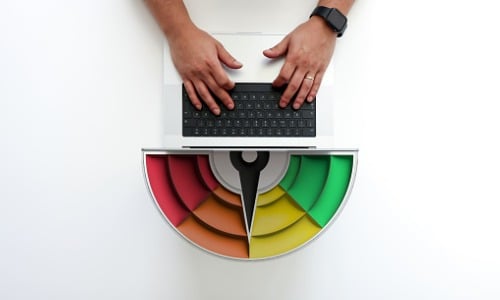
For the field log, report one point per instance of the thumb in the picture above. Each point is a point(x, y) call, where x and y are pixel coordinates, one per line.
point(278, 50)
point(227, 59)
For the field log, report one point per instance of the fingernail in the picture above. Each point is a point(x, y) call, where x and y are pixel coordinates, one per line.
point(310, 99)
point(237, 63)
point(216, 111)
point(296, 106)
point(230, 106)
point(198, 106)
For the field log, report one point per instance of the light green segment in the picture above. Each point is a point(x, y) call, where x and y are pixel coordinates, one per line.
point(334, 190)
point(309, 181)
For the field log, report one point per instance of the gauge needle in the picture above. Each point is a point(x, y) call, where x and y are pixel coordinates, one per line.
point(249, 173)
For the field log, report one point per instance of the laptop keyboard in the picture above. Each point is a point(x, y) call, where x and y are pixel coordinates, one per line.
point(256, 114)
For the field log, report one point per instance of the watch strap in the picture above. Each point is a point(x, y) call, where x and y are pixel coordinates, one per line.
point(333, 17)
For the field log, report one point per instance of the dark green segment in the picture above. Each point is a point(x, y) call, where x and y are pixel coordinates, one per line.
point(291, 173)
point(334, 190)
point(309, 180)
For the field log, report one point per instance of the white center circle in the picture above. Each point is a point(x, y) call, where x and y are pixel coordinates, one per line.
point(249, 156)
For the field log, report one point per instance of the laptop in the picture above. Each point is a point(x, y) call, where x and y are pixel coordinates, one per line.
point(246, 47)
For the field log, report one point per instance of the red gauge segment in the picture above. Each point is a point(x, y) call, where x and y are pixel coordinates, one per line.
point(205, 172)
point(162, 190)
point(190, 188)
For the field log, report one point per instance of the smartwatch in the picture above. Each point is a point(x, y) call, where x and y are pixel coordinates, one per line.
point(333, 17)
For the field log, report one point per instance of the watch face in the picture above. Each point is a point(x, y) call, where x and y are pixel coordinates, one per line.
point(337, 20)
point(298, 195)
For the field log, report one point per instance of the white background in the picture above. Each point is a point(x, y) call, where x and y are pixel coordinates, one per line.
point(417, 93)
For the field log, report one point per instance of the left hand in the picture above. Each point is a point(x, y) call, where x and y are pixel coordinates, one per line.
point(308, 50)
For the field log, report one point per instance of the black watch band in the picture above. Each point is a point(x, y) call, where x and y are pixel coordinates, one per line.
point(333, 17)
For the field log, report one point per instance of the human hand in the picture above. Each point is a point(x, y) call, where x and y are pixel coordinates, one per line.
point(308, 50)
point(198, 58)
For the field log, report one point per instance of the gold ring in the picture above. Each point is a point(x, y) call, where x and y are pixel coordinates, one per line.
point(309, 77)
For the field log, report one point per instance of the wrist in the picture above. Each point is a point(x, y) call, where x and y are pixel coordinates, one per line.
point(180, 28)
point(321, 26)
point(171, 15)
point(344, 6)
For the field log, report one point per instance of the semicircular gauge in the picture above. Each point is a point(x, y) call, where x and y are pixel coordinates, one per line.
point(287, 216)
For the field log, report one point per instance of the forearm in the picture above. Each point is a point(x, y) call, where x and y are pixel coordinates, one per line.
point(343, 5)
point(171, 15)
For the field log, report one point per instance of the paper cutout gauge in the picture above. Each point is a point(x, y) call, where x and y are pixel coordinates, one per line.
point(297, 195)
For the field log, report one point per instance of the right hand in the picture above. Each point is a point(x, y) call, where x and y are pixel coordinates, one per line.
point(198, 57)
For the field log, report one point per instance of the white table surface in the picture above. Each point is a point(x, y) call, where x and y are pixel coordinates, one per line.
point(418, 93)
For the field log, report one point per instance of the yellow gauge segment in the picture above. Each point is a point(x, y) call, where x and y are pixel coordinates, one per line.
point(276, 216)
point(284, 241)
point(270, 196)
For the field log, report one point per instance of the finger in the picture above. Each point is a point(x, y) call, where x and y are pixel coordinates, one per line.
point(193, 96)
point(285, 74)
point(221, 93)
point(219, 74)
point(225, 98)
point(205, 95)
point(226, 58)
point(218, 79)
point(278, 49)
point(292, 88)
point(315, 87)
point(304, 90)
